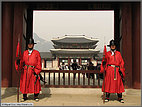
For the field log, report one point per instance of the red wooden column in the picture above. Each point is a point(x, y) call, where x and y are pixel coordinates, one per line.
point(44, 63)
point(52, 62)
point(90, 59)
point(136, 45)
point(17, 30)
point(58, 62)
point(68, 61)
point(80, 61)
point(127, 41)
point(7, 27)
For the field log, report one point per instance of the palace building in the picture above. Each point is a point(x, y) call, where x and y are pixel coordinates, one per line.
point(77, 47)
point(70, 47)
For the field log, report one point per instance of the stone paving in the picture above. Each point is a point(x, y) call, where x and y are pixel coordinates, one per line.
point(73, 97)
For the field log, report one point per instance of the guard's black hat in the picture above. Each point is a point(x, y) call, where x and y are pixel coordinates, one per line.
point(112, 42)
point(31, 41)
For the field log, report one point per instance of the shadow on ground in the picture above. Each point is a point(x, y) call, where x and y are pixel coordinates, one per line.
point(12, 91)
point(46, 92)
point(9, 92)
point(113, 97)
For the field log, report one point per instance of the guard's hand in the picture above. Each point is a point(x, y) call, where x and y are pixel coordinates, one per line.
point(23, 63)
point(104, 63)
point(35, 73)
point(18, 61)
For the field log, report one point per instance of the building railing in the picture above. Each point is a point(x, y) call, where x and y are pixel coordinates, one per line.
point(66, 79)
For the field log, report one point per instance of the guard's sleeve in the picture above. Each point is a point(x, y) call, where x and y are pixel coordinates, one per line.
point(38, 66)
point(122, 66)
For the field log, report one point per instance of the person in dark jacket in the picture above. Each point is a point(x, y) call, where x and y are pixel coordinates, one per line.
point(74, 67)
point(90, 67)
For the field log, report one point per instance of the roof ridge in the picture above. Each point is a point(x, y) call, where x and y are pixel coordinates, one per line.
point(75, 36)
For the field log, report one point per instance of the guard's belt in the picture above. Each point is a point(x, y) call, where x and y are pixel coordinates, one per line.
point(112, 65)
point(30, 66)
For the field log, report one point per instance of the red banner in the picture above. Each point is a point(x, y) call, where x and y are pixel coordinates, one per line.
point(18, 51)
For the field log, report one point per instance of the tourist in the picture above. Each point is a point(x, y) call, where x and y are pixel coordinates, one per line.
point(90, 67)
point(74, 67)
point(62, 67)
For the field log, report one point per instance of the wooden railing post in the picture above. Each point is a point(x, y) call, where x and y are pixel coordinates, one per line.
point(54, 78)
point(73, 79)
point(98, 81)
point(84, 80)
point(58, 78)
point(49, 79)
point(63, 78)
point(68, 78)
point(88, 78)
point(94, 81)
point(79, 84)
point(44, 78)
point(78, 78)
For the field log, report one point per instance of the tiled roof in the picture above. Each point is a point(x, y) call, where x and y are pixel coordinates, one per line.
point(74, 39)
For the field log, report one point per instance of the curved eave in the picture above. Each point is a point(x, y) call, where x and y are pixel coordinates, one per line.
point(56, 46)
point(74, 42)
point(93, 47)
point(74, 51)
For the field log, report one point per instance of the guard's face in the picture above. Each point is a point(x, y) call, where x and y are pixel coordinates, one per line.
point(30, 46)
point(113, 47)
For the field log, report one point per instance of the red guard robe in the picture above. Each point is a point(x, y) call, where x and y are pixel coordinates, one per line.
point(111, 85)
point(28, 78)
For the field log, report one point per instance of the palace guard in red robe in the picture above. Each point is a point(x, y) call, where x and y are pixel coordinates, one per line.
point(30, 66)
point(114, 71)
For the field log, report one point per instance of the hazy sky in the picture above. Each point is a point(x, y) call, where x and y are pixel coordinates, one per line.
point(96, 24)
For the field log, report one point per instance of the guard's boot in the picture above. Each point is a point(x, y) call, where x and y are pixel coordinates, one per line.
point(120, 97)
point(107, 97)
point(24, 98)
point(120, 100)
point(36, 97)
